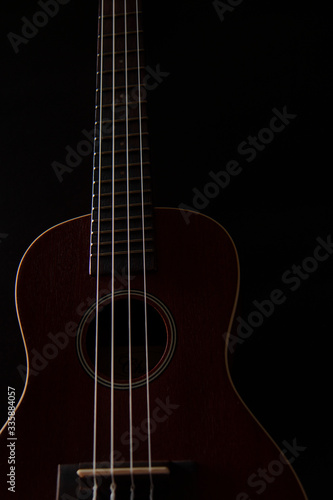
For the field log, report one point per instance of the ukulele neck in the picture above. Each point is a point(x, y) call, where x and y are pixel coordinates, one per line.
point(122, 214)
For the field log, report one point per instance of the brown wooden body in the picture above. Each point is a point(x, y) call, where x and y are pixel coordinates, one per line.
point(197, 279)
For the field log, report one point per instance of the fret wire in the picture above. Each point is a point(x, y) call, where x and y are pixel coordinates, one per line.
point(109, 122)
point(121, 242)
point(106, 231)
point(121, 193)
point(123, 218)
point(121, 136)
point(122, 180)
point(108, 71)
point(130, 119)
point(131, 205)
point(122, 87)
point(109, 254)
point(122, 34)
point(115, 128)
point(122, 165)
point(121, 52)
point(119, 151)
point(116, 104)
point(121, 14)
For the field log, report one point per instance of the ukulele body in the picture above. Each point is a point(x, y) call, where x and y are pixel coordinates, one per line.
point(196, 415)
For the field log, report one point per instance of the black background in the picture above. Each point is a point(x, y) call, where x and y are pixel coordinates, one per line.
point(223, 80)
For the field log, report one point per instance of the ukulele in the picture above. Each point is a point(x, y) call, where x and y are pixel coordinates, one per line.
point(124, 310)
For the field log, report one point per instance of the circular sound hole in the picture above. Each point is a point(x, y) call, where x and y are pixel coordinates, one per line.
point(157, 340)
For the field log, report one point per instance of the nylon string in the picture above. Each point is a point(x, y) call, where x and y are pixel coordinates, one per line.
point(144, 257)
point(112, 484)
point(112, 464)
point(95, 487)
point(128, 264)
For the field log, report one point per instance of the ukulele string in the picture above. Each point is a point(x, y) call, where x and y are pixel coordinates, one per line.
point(144, 256)
point(128, 261)
point(95, 486)
point(112, 464)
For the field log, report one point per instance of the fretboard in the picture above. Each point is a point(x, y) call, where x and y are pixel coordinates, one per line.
point(122, 215)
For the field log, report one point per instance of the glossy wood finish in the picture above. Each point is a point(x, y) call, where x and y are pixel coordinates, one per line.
point(196, 412)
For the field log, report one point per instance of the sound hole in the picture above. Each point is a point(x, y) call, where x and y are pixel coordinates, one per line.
point(157, 340)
